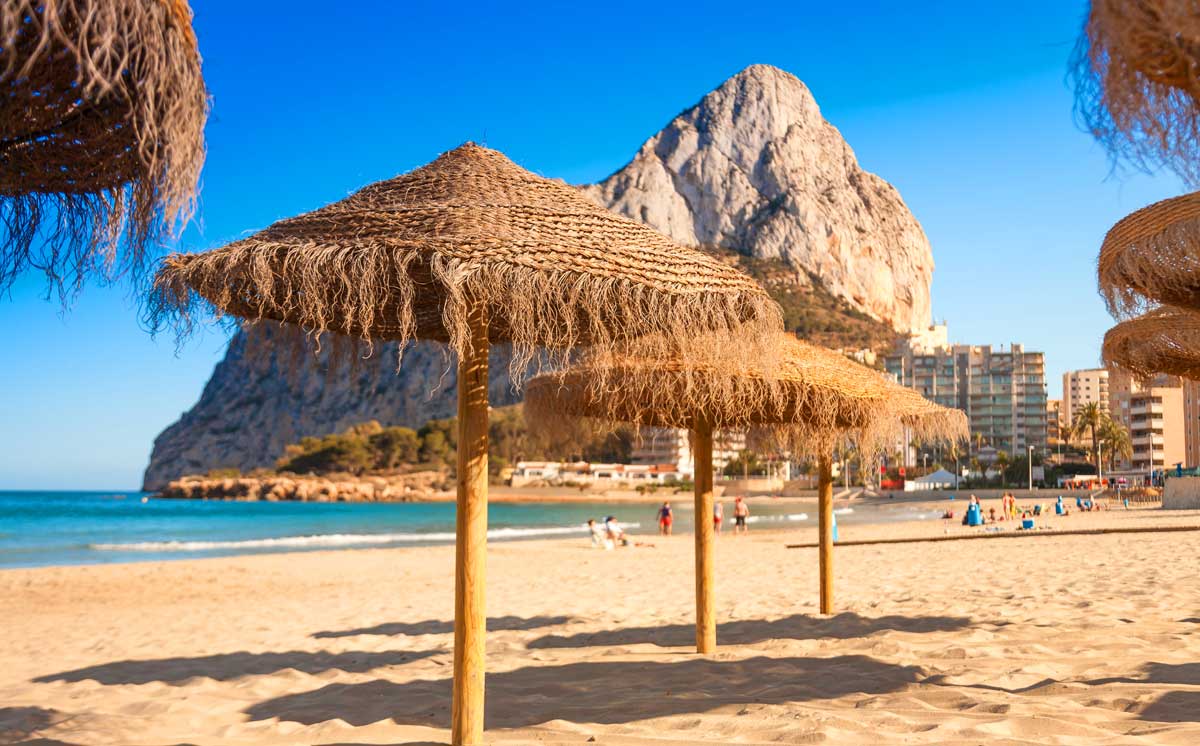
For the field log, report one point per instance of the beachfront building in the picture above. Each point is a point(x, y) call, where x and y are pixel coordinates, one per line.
point(1191, 423)
point(1002, 391)
point(1161, 417)
point(556, 473)
point(1055, 427)
point(1156, 428)
point(1083, 387)
point(669, 445)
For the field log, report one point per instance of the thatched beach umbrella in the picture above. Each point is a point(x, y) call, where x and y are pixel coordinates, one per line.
point(808, 400)
point(1137, 78)
point(102, 111)
point(1165, 340)
point(470, 250)
point(1152, 256)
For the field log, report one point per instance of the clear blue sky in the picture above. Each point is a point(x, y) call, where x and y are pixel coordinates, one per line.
point(964, 107)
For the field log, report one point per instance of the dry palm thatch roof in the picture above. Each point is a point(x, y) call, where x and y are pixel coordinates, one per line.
point(102, 111)
point(1152, 256)
point(1137, 77)
point(1165, 340)
point(806, 399)
point(405, 259)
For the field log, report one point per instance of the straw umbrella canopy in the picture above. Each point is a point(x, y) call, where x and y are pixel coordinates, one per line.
point(102, 111)
point(1165, 340)
point(470, 250)
point(806, 399)
point(1137, 77)
point(1152, 256)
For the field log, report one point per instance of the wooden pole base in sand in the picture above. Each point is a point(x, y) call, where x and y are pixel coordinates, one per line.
point(706, 616)
point(470, 562)
point(825, 530)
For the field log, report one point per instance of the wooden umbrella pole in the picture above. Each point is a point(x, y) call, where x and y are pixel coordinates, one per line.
point(470, 566)
point(706, 616)
point(825, 530)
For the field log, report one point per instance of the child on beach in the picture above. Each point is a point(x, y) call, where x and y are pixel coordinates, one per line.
point(665, 518)
point(615, 533)
point(741, 511)
point(718, 516)
point(600, 538)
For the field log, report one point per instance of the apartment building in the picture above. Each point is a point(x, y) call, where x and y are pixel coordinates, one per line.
point(1055, 427)
point(1156, 414)
point(1002, 391)
point(666, 445)
point(1083, 387)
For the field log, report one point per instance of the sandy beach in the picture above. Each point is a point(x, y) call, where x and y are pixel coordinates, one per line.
point(1040, 640)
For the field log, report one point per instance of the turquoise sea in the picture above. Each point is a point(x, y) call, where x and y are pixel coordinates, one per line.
point(71, 528)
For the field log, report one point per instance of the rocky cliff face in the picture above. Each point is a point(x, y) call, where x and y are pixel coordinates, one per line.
point(252, 408)
point(753, 168)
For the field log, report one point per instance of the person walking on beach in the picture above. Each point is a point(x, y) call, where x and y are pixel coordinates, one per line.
point(741, 511)
point(718, 516)
point(665, 518)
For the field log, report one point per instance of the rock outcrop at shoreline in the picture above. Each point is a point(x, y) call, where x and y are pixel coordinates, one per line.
point(755, 168)
point(407, 488)
point(752, 168)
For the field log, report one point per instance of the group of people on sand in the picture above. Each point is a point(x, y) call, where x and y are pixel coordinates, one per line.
point(610, 534)
point(1009, 510)
point(741, 513)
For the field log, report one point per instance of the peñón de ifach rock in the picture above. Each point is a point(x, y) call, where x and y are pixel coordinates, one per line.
point(755, 168)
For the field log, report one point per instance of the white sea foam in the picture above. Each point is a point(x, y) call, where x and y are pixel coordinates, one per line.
point(336, 540)
point(787, 517)
point(843, 511)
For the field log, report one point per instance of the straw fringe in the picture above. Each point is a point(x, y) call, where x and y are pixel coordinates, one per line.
point(1136, 70)
point(406, 259)
point(807, 401)
point(1152, 256)
point(1165, 340)
point(102, 112)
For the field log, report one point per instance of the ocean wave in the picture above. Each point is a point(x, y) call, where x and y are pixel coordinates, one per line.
point(336, 540)
point(787, 517)
point(843, 511)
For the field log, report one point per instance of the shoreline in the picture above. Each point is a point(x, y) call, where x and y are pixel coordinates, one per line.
point(971, 642)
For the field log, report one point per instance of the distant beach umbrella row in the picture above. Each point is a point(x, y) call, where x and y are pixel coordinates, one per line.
point(1137, 76)
point(102, 113)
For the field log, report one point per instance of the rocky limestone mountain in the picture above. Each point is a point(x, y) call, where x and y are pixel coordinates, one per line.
point(753, 169)
point(253, 407)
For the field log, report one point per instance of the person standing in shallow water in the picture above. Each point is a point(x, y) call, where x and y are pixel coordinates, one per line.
point(741, 512)
point(665, 518)
point(718, 516)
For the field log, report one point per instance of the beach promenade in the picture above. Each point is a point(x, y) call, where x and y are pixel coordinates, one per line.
point(1065, 640)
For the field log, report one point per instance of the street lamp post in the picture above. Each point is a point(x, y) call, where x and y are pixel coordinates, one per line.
point(1030, 468)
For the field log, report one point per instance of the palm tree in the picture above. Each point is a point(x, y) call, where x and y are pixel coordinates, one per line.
point(1088, 419)
point(978, 438)
point(954, 451)
point(1116, 441)
point(1002, 462)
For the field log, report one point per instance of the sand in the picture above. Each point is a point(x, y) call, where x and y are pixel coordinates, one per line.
point(1044, 640)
